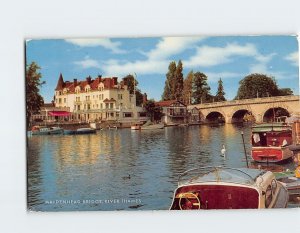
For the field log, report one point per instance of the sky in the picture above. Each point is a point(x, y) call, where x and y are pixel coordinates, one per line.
point(230, 58)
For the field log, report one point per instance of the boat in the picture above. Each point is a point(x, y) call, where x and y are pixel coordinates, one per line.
point(136, 127)
point(270, 142)
point(85, 131)
point(290, 181)
point(228, 188)
point(42, 130)
point(79, 131)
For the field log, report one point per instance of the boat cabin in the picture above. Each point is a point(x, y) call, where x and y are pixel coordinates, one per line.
point(275, 135)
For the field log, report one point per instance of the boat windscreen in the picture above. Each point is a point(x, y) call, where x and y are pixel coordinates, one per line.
point(219, 174)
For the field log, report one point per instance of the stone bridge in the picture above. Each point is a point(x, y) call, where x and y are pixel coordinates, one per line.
point(262, 109)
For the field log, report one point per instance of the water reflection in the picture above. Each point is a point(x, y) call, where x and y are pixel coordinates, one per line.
point(93, 169)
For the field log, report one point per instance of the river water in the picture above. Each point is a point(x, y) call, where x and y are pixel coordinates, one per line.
point(124, 169)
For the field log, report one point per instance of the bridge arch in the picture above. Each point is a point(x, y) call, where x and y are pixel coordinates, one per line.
point(215, 117)
point(242, 115)
point(271, 114)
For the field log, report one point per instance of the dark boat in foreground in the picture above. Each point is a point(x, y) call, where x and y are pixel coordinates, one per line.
point(228, 188)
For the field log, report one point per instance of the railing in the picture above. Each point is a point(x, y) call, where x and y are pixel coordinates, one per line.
point(247, 101)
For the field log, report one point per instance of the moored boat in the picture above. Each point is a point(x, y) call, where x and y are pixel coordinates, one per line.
point(136, 127)
point(228, 188)
point(270, 142)
point(40, 130)
point(151, 127)
point(85, 131)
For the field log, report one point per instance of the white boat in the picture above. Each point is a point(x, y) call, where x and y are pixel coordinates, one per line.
point(228, 188)
point(41, 130)
point(136, 127)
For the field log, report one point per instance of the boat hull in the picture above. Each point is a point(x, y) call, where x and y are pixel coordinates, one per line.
point(271, 154)
point(48, 132)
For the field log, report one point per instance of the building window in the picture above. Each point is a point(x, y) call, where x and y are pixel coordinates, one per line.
point(111, 105)
point(78, 107)
point(59, 100)
point(106, 105)
point(112, 114)
point(127, 114)
point(101, 106)
point(65, 100)
point(88, 106)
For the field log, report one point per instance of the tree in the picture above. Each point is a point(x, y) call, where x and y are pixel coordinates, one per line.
point(168, 93)
point(259, 85)
point(187, 88)
point(220, 95)
point(178, 81)
point(285, 91)
point(201, 89)
point(131, 83)
point(139, 97)
point(34, 100)
point(153, 111)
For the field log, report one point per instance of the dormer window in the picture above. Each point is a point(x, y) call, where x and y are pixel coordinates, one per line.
point(77, 90)
point(101, 87)
point(87, 88)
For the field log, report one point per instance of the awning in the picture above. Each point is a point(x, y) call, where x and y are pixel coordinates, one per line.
point(59, 113)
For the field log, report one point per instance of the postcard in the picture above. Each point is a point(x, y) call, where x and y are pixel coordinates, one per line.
point(162, 123)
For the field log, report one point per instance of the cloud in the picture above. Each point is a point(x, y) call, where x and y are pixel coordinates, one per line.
point(169, 46)
point(157, 59)
point(293, 57)
point(88, 63)
point(210, 56)
point(114, 47)
point(214, 77)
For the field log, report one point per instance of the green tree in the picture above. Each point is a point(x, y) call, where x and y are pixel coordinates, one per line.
point(187, 88)
point(131, 82)
point(201, 89)
point(259, 85)
point(169, 89)
point(220, 95)
point(285, 91)
point(153, 111)
point(139, 97)
point(178, 81)
point(34, 100)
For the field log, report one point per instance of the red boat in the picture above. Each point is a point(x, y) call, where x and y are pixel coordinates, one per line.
point(270, 142)
point(228, 188)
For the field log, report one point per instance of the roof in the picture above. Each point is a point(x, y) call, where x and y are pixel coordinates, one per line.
point(271, 127)
point(166, 103)
point(108, 83)
point(59, 113)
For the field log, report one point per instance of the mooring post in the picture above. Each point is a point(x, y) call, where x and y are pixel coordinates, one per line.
point(242, 133)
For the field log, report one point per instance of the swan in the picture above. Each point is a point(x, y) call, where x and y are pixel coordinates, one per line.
point(126, 177)
point(223, 151)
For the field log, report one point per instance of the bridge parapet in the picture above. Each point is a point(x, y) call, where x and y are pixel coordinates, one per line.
point(273, 99)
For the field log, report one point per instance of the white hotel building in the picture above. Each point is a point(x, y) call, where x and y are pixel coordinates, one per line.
point(99, 99)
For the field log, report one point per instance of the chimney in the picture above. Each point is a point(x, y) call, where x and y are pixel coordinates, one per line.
point(115, 81)
point(89, 79)
point(99, 78)
point(75, 82)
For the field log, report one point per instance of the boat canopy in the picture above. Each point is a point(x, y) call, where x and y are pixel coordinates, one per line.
point(220, 174)
point(59, 113)
point(277, 127)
